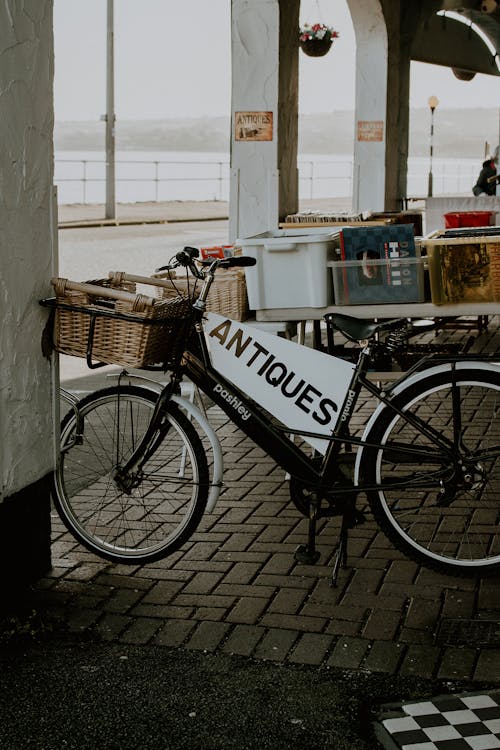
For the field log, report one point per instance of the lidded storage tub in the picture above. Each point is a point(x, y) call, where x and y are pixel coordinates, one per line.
point(291, 269)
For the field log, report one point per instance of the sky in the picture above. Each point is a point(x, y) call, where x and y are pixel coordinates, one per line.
point(172, 59)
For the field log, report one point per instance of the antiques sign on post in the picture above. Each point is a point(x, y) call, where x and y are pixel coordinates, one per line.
point(370, 130)
point(253, 126)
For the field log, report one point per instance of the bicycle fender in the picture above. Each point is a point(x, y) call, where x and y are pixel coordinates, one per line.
point(218, 463)
point(409, 381)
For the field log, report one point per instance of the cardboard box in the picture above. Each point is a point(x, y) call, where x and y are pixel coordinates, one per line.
point(465, 269)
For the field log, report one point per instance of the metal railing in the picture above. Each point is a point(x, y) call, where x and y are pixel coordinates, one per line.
point(161, 180)
point(91, 173)
point(157, 180)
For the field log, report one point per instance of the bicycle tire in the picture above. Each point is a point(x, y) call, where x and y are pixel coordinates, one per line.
point(453, 524)
point(150, 521)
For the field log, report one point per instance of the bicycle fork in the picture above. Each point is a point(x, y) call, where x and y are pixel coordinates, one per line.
point(128, 476)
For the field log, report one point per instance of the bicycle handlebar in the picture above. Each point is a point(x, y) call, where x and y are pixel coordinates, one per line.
point(189, 255)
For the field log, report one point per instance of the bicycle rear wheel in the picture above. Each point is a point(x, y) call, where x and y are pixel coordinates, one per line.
point(441, 507)
point(147, 522)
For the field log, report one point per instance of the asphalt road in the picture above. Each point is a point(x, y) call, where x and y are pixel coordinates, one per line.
point(83, 695)
point(89, 253)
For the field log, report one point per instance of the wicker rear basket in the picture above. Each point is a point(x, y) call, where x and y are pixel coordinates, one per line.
point(227, 296)
point(116, 327)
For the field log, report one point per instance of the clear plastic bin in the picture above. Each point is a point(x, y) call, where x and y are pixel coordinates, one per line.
point(378, 282)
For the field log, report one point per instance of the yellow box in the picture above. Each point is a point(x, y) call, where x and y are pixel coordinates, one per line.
point(465, 269)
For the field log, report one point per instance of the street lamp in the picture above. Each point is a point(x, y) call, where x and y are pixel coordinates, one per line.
point(110, 114)
point(433, 102)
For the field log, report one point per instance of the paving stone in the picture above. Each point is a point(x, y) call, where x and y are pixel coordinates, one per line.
point(140, 631)
point(375, 601)
point(421, 660)
point(488, 665)
point(311, 648)
point(287, 601)
point(86, 572)
point(348, 653)
point(164, 611)
point(237, 542)
point(275, 645)
point(122, 600)
point(205, 566)
point(242, 572)
point(382, 625)
point(459, 605)
point(79, 620)
point(420, 616)
point(276, 581)
point(365, 582)
point(202, 583)
point(124, 582)
point(247, 611)
point(216, 614)
point(157, 574)
point(207, 636)
point(201, 551)
point(343, 627)
point(488, 593)
point(384, 656)
point(401, 571)
point(198, 600)
point(174, 632)
point(457, 663)
point(410, 635)
point(295, 622)
point(111, 626)
point(279, 564)
point(243, 640)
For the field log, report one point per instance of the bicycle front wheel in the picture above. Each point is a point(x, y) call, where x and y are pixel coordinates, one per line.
point(154, 518)
point(439, 497)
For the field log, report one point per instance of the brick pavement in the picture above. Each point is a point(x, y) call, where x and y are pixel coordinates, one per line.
point(236, 588)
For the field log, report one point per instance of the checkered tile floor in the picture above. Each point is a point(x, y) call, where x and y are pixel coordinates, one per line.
point(457, 722)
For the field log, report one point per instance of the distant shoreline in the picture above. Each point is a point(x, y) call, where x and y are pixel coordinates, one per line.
point(457, 133)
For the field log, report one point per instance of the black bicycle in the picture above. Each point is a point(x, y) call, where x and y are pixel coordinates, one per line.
point(133, 479)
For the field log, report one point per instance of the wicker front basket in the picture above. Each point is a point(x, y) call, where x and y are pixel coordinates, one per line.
point(227, 296)
point(132, 330)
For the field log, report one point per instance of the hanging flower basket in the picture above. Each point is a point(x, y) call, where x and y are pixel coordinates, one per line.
point(316, 39)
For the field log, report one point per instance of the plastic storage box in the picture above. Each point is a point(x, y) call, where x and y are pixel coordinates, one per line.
point(465, 269)
point(377, 282)
point(291, 269)
point(456, 219)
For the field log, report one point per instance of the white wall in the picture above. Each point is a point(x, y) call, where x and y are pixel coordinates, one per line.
point(26, 232)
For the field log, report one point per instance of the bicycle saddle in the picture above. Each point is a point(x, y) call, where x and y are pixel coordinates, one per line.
point(358, 329)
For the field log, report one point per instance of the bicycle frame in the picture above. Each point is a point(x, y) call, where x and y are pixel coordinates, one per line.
point(274, 439)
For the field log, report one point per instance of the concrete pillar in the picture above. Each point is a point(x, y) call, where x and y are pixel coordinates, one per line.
point(27, 231)
point(370, 105)
point(264, 122)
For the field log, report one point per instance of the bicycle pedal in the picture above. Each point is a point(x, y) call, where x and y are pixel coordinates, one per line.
point(305, 556)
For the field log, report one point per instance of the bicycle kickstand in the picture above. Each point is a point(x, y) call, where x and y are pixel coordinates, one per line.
point(340, 559)
point(350, 517)
point(307, 554)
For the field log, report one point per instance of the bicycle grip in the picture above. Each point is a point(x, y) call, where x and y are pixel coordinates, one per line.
point(238, 261)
